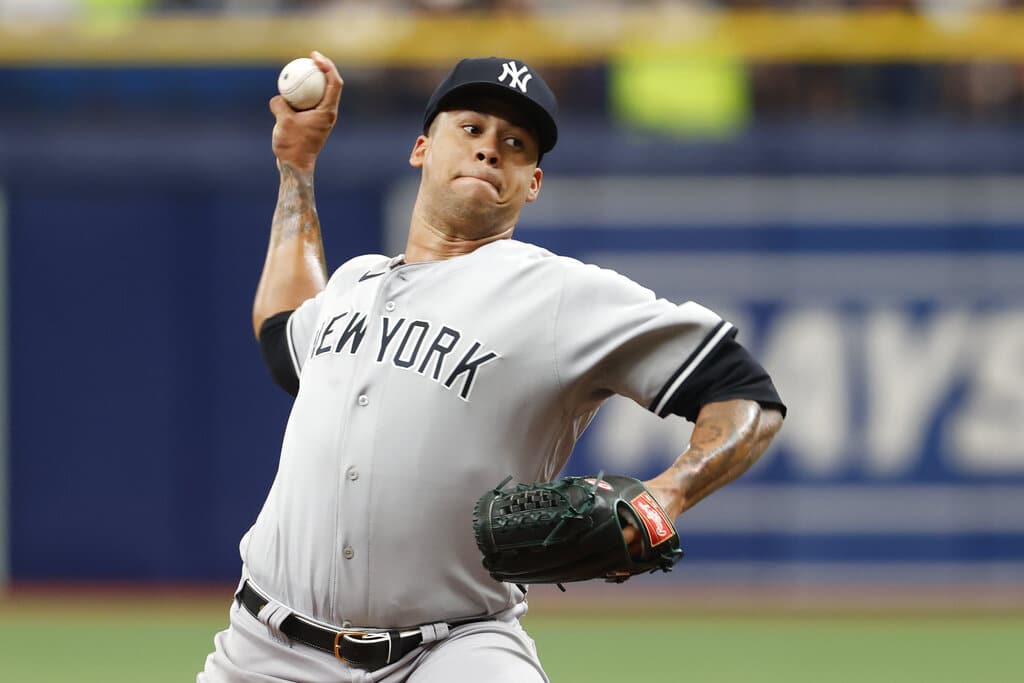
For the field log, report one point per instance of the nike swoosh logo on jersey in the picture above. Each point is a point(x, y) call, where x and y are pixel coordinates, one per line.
point(367, 275)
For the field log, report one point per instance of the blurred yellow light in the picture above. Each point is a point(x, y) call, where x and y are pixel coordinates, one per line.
point(377, 38)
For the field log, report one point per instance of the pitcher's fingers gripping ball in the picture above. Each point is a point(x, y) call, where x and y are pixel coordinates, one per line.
point(301, 83)
point(299, 136)
point(570, 529)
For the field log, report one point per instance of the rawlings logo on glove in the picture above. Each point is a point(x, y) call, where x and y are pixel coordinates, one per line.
point(659, 529)
point(570, 529)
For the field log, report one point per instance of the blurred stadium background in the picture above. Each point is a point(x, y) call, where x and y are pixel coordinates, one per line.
point(843, 179)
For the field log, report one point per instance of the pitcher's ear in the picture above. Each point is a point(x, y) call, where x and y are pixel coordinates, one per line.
point(419, 151)
point(535, 183)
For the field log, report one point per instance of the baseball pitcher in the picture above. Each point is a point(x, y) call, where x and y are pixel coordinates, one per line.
point(439, 393)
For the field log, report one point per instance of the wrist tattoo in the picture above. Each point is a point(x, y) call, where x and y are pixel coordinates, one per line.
point(296, 209)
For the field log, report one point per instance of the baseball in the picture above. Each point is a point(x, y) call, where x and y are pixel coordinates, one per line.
point(302, 83)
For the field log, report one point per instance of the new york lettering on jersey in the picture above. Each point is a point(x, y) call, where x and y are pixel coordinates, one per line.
point(436, 351)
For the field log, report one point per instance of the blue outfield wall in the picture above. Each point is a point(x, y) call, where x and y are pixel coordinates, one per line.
point(144, 427)
point(144, 424)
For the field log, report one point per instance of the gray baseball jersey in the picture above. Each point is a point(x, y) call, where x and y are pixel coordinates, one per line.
point(420, 386)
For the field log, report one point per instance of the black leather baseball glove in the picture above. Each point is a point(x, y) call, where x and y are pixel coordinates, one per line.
point(571, 530)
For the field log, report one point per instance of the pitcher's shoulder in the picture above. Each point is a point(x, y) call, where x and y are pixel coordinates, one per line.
point(515, 251)
point(364, 266)
point(573, 271)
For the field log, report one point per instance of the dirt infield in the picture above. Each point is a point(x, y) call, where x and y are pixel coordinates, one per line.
point(745, 599)
point(666, 598)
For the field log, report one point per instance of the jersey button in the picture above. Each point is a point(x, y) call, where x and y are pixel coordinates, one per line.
point(363, 400)
point(389, 306)
point(348, 553)
point(353, 473)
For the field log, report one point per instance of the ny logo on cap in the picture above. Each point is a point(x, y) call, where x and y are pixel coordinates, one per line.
point(509, 69)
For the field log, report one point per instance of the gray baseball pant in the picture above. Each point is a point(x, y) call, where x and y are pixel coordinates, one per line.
point(497, 651)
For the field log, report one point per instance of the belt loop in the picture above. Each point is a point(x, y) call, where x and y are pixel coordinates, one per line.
point(434, 632)
point(272, 614)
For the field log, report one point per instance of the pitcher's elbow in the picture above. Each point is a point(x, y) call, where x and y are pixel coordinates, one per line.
point(770, 422)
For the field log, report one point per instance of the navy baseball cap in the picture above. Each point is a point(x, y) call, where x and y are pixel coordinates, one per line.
point(506, 78)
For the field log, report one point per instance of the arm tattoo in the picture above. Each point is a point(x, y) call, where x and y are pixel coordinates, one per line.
point(295, 268)
point(295, 214)
point(712, 432)
point(727, 439)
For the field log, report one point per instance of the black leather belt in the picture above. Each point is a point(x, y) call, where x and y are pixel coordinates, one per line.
point(368, 650)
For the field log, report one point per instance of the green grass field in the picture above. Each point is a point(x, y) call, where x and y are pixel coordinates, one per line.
point(167, 640)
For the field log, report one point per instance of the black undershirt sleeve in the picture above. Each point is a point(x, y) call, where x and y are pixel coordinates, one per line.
point(276, 354)
point(729, 372)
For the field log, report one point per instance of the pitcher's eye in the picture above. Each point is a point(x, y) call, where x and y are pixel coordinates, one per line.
point(514, 142)
point(471, 129)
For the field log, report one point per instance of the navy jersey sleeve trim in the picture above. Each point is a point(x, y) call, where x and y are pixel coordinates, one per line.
point(279, 352)
point(292, 348)
point(679, 377)
point(729, 372)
